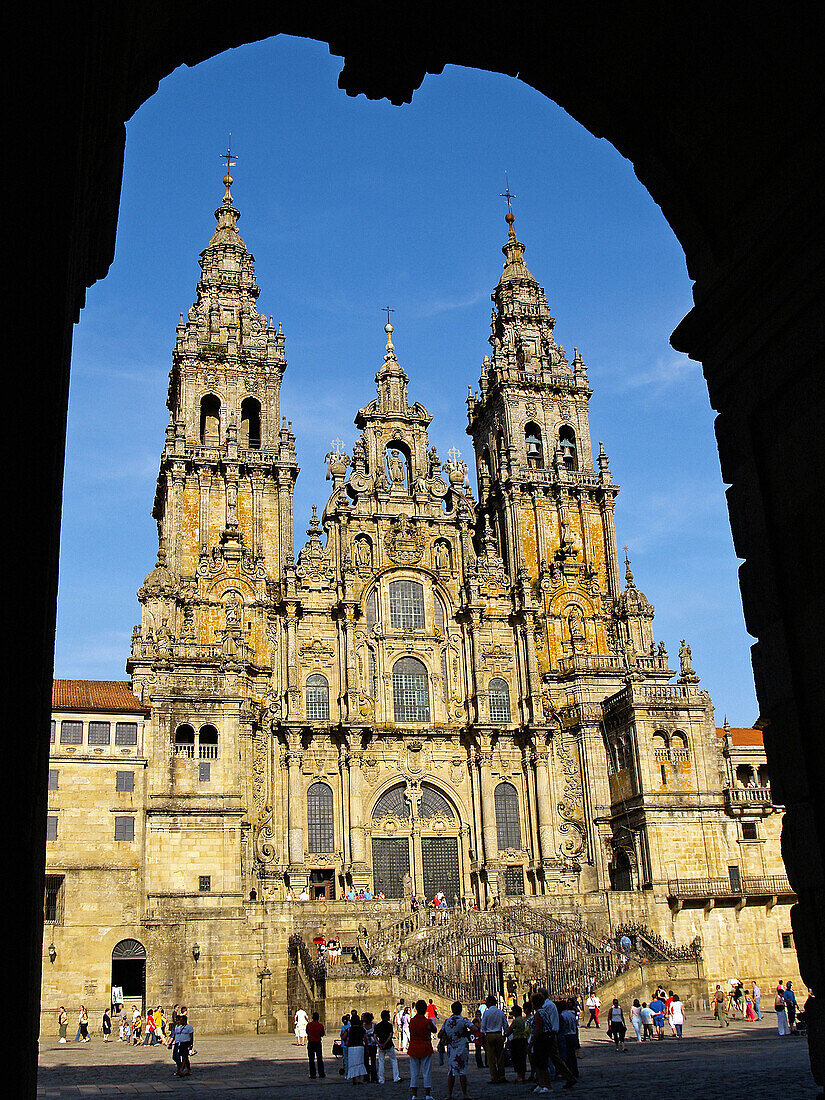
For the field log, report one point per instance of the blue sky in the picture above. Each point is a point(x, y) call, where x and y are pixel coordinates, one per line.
point(347, 206)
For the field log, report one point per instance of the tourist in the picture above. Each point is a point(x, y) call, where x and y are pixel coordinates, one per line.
point(356, 1070)
point(432, 1011)
point(62, 1024)
point(593, 1004)
point(719, 1006)
point(304, 895)
point(781, 1007)
point(618, 1028)
point(150, 1039)
point(478, 1041)
point(569, 1036)
point(300, 1026)
point(790, 1005)
point(757, 1000)
point(455, 1033)
point(405, 1028)
point(676, 1015)
point(315, 1033)
point(420, 1051)
point(83, 1025)
point(370, 1048)
point(160, 1025)
point(137, 1024)
point(647, 1022)
point(517, 1042)
point(344, 1047)
point(657, 1007)
point(544, 1043)
point(636, 1019)
point(184, 1041)
point(739, 998)
point(750, 1015)
point(493, 1028)
point(385, 1047)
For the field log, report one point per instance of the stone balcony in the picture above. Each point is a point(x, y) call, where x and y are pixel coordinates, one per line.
point(737, 889)
point(748, 800)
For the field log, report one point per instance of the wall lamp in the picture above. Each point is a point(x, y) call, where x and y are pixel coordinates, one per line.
point(52, 952)
point(196, 951)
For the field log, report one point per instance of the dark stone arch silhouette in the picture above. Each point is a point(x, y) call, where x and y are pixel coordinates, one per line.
point(719, 108)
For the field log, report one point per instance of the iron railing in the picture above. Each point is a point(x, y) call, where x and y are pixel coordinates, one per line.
point(750, 886)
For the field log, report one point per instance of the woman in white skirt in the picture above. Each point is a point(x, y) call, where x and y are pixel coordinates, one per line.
point(356, 1071)
point(301, 1021)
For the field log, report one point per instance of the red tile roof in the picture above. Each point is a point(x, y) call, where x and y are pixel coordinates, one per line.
point(739, 736)
point(111, 695)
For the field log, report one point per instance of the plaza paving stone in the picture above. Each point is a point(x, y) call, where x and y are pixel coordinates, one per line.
point(749, 1061)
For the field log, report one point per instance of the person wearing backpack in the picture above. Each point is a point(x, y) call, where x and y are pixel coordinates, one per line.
point(781, 1008)
point(719, 1007)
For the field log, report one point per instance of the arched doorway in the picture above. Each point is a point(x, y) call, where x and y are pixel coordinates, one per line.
point(129, 972)
point(416, 843)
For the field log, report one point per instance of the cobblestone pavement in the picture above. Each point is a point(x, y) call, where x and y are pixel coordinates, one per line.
point(748, 1061)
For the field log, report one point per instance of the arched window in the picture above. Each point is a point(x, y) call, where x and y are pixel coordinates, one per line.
point(320, 819)
point(317, 697)
point(567, 442)
point(661, 745)
point(372, 609)
point(679, 744)
point(406, 605)
point(439, 616)
point(250, 434)
point(434, 804)
point(508, 828)
point(621, 874)
point(184, 741)
point(208, 743)
point(210, 420)
point(410, 691)
point(499, 700)
point(391, 804)
point(533, 446)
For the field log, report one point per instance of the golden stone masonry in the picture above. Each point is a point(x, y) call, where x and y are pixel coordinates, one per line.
point(437, 693)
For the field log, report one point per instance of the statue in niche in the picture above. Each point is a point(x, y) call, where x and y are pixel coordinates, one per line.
point(233, 613)
point(397, 469)
point(575, 625)
point(231, 504)
point(442, 557)
point(363, 557)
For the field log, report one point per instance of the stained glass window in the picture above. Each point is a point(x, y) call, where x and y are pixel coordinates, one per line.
point(393, 803)
point(406, 605)
point(433, 803)
point(410, 691)
point(508, 828)
point(320, 824)
point(499, 700)
point(317, 698)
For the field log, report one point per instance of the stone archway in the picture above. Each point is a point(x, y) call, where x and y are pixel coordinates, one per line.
point(733, 159)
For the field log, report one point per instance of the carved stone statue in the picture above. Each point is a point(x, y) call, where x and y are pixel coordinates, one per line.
point(685, 660)
point(233, 613)
point(442, 557)
point(575, 625)
point(362, 554)
point(397, 469)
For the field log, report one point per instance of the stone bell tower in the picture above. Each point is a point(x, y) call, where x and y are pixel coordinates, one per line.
point(550, 507)
point(207, 651)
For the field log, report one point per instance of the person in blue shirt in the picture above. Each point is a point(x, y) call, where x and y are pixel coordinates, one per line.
point(657, 1007)
point(790, 1005)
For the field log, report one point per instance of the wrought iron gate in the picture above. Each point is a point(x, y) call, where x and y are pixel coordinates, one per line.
point(390, 863)
point(439, 856)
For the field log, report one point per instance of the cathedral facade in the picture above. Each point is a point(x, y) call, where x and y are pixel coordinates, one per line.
point(437, 692)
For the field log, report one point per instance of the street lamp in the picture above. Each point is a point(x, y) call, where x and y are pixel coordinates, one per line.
point(196, 950)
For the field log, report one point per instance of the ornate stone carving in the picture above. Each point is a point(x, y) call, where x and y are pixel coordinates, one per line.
point(404, 544)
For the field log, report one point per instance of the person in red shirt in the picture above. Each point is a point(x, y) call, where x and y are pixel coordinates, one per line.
point(315, 1033)
point(420, 1051)
point(432, 1011)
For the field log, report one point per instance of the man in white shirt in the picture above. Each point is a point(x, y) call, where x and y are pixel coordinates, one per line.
point(593, 1004)
point(493, 1027)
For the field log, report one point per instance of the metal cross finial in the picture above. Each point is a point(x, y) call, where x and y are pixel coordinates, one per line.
point(229, 156)
point(507, 194)
point(454, 455)
point(626, 559)
point(337, 446)
point(388, 311)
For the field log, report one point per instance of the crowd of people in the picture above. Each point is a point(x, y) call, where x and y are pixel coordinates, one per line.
point(173, 1032)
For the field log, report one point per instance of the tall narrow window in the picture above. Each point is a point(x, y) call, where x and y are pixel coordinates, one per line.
point(210, 420)
point(53, 900)
point(508, 828)
point(445, 679)
point(124, 828)
point(406, 605)
point(184, 744)
point(250, 433)
point(124, 781)
point(567, 442)
point(317, 697)
point(499, 700)
point(440, 617)
point(53, 779)
point(410, 691)
point(372, 609)
point(320, 827)
point(51, 827)
point(533, 446)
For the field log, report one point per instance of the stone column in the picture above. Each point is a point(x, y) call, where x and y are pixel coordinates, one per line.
point(292, 689)
point(533, 686)
point(544, 803)
point(608, 514)
point(488, 805)
point(356, 808)
point(295, 809)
